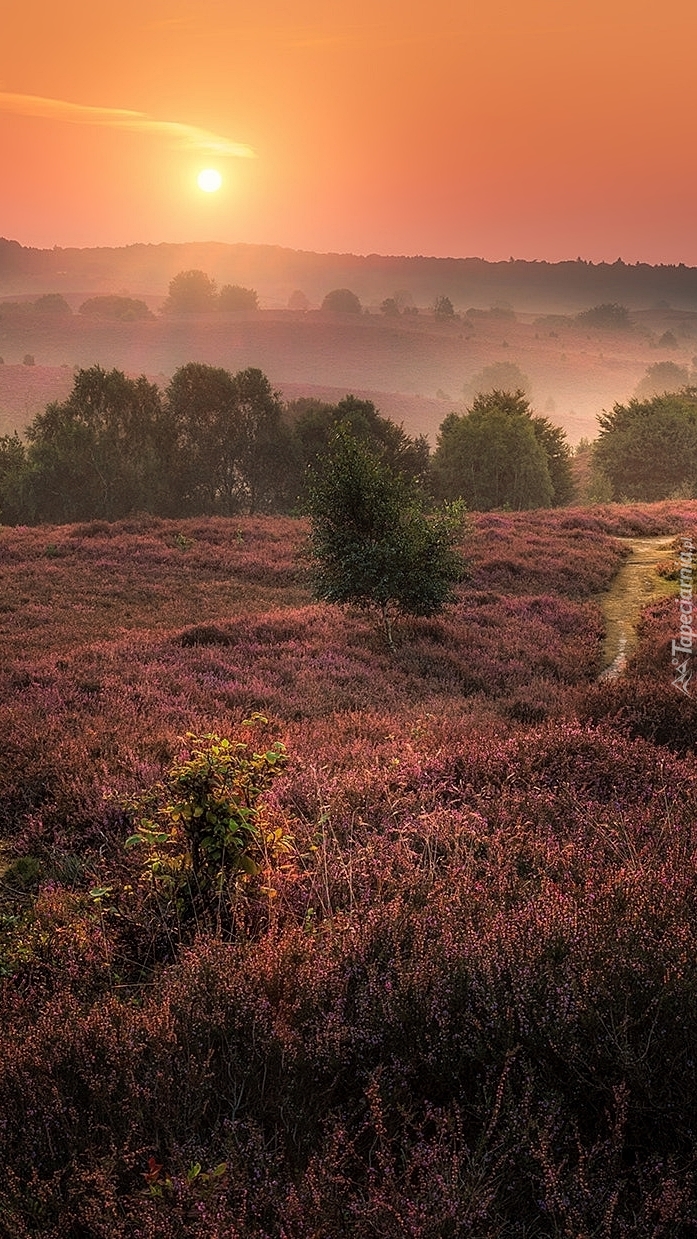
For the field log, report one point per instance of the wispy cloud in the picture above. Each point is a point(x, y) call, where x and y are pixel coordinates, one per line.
point(187, 136)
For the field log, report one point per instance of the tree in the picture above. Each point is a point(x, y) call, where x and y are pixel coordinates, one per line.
point(233, 447)
point(102, 452)
point(371, 542)
point(497, 376)
point(609, 316)
point(265, 442)
point(15, 496)
point(648, 448)
point(662, 376)
point(390, 308)
point(315, 422)
point(554, 443)
point(341, 301)
point(53, 305)
point(191, 292)
point(298, 302)
point(233, 297)
point(492, 456)
point(118, 309)
point(202, 404)
point(444, 308)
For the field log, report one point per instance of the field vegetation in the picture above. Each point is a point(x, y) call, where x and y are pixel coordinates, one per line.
point(451, 990)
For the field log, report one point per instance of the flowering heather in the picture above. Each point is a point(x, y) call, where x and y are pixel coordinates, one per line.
point(465, 1003)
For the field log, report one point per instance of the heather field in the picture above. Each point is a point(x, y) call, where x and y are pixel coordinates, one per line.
point(459, 995)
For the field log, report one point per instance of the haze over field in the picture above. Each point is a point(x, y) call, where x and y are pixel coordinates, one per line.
point(518, 318)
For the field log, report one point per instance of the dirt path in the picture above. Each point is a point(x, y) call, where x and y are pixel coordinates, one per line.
point(633, 588)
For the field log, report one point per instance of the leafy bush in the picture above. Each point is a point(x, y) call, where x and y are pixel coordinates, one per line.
point(372, 544)
point(204, 825)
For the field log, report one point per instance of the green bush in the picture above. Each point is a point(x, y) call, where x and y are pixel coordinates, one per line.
point(203, 827)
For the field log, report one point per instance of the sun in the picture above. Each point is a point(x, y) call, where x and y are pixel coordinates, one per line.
point(209, 180)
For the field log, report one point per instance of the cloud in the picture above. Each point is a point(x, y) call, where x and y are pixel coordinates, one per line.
point(187, 136)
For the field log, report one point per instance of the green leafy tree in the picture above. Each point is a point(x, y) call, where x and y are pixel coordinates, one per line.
point(314, 423)
point(16, 504)
point(191, 292)
point(390, 308)
point(234, 448)
point(492, 457)
point(648, 448)
point(341, 301)
point(265, 450)
point(559, 456)
point(202, 404)
point(102, 452)
point(372, 543)
point(233, 297)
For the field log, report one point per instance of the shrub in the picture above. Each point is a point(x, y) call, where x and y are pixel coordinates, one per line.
point(371, 541)
point(203, 826)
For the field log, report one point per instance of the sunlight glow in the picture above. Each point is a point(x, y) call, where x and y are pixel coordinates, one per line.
point(209, 180)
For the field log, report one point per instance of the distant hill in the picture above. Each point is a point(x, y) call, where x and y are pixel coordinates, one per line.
point(532, 287)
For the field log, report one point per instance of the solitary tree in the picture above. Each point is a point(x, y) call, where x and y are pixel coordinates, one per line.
point(372, 543)
point(298, 302)
point(341, 301)
point(497, 376)
point(444, 308)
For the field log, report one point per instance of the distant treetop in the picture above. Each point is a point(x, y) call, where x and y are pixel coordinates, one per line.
point(609, 315)
point(233, 297)
point(298, 301)
point(191, 292)
point(52, 303)
point(662, 376)
point(443, 308)
point(342, 301)
point(116, 308)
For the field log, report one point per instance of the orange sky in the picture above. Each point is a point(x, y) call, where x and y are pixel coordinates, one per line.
point(532, 128)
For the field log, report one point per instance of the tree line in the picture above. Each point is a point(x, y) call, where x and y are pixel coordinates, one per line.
point(217, 443)
point(213, 442)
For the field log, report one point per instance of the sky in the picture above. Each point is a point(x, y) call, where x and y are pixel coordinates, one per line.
point(535, 129)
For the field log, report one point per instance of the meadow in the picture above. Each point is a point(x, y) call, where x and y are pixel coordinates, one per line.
point(463, 1001)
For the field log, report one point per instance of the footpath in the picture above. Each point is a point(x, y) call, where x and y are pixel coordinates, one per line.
point(634, 587)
